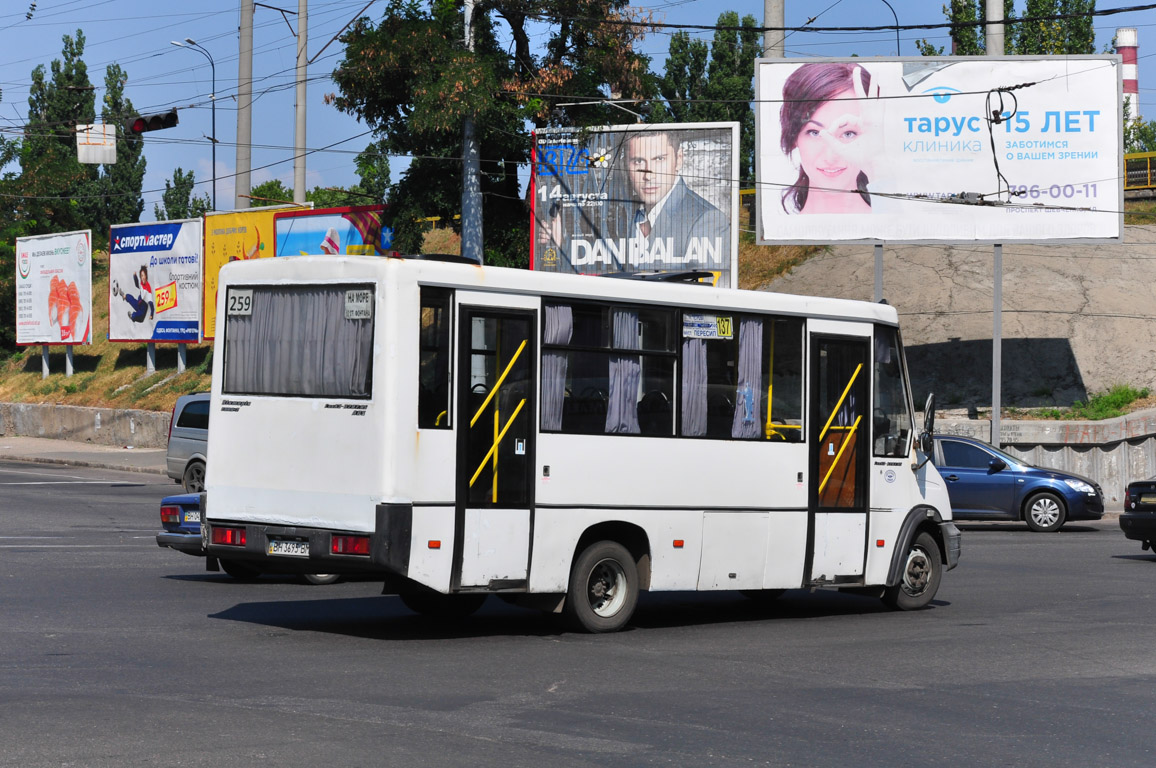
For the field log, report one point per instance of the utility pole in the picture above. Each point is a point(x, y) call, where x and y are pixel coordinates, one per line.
point(993, 34)
point(993, 30)
point(299, 131)
point(471, 170)
point(774, 15)
point(244, 107)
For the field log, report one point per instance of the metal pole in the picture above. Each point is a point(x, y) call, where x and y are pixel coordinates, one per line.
point(774, 15)
point(896, 26)
point(299, 113)
point(878, 272)
point(68, 360)
point(150, 358)
point(212, 100)
point(471, 171)
point(44, 361)
point(993, 30)
point(996, 342)
point(182, 357)
point(244, 107)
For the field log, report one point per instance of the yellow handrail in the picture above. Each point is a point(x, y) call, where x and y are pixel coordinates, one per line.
point(498, 383)
point(839, 404)
point(839, 455)
point(497, 440)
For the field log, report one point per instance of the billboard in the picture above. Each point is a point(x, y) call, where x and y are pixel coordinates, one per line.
point(905, 150)
point(357, 230)
point(636, 198)
point(154, 282)
point(233, 236)
point(54, 289)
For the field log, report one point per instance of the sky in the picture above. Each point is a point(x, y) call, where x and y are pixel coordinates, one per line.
point(137, 35)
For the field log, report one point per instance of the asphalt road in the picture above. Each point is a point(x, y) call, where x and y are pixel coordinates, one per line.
point(113, 652)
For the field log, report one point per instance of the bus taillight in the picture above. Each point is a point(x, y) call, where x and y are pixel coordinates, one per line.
point(234, 537)
point(350, 545)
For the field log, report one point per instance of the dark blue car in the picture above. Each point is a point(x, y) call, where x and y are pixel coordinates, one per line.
point(181, 521)
point(985, 483)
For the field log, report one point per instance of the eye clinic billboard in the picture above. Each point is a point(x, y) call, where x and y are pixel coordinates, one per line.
point(869, 150)
point(636, 198)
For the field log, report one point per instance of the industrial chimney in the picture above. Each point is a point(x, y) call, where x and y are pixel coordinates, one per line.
point(1126, 46)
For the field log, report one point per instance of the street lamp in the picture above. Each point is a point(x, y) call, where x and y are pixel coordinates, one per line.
point(896, 26)
point(191, 44)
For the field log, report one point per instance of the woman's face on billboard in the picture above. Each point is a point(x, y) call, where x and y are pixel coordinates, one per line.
point(826, 143)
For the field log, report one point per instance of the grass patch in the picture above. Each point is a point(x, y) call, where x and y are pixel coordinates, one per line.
point(1140, 211)
point(1102, 405)
point(760, 264)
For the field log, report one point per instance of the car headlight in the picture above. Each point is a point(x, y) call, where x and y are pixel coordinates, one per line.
point(1079, 486)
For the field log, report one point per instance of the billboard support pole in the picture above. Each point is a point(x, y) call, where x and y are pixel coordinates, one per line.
point(996, 341)
point(44, 361)
point(68, 360)
point(150, 358)
point(181, 357)
point(878, 272)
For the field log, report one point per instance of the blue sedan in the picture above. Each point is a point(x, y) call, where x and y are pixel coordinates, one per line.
point(985, 483)
point(181, 521)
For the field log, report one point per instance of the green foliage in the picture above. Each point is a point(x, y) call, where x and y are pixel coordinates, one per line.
point(410, 78)
point(718, 88)
point(271, 192)
point(1035, 38)
point(179, 202)
point(1103, 405)
point(120, 199)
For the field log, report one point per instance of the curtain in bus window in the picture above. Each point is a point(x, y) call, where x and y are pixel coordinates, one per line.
point(748, 421)
point(297, 341)
point(558, 328)
point(694, 387)
point(625, 376)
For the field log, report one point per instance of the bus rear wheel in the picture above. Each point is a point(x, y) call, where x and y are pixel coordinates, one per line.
point(603, 591)
point(919, 580)
point(427, 602)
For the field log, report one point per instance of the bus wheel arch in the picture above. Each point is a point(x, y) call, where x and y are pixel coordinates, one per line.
point(629, 535)
point(606, 577)
point(918, 562)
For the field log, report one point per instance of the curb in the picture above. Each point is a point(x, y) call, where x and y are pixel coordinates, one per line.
point(83, 463)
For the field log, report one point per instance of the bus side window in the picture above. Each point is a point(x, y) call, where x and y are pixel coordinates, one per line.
point(433, 399)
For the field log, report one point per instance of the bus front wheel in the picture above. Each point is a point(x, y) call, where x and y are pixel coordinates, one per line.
point(919, 580)
point(603, 591)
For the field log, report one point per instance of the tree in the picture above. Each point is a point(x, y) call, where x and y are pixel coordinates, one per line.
point(179, 200)
point(412, 80)
point(121, 182)
point(53, 183)
point(1069, 36)
point(271, 192)
point(718, 88)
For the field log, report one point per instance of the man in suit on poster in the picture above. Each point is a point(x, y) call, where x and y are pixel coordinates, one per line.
point(680, 228)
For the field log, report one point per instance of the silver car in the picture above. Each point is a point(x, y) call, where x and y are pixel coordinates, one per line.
point(188, 441)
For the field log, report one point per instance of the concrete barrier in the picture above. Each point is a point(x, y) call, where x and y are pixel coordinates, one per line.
point(104, 426)
point(1113, 452)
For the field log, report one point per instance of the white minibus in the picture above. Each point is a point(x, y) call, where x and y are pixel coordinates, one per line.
point(564, 441)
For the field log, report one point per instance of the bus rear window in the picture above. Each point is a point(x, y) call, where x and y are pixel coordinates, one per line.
point(301, 341)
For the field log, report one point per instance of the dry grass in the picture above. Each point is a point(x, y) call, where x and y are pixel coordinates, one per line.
point(760, 264)
point(1140, 211)
point(442, 240)
point(105, 374)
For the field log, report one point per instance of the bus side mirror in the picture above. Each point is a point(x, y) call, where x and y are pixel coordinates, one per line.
point(927, 436)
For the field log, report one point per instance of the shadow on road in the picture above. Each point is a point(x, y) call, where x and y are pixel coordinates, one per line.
point(386, 618)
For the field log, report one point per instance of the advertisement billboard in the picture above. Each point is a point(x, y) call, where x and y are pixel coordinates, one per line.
point(357, 230)
point(906, 150)
point(636, 198)
point(154, 282)
point(233, 236)
point(54, 289)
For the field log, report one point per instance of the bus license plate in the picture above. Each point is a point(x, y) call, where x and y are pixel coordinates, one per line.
point(193, 517)
point(289, 547)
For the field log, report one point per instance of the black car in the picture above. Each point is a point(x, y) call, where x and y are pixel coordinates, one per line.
point(1138, 520)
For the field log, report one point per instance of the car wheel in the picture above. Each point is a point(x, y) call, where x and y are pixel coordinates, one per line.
point(1045, 512)
point(321, 579)
point(603, 591)
point(239, 571)
point(427, 602)
point(194, 478)
point(919, 580)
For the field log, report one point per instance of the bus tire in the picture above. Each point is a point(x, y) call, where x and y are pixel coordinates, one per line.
point(919, 579)
point(427, 602)
point(603, 591)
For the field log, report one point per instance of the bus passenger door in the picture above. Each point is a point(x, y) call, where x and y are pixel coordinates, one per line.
point(839, 448)
point(496, 413)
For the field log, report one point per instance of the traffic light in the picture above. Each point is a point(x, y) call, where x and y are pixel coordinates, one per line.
point(135, 126)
